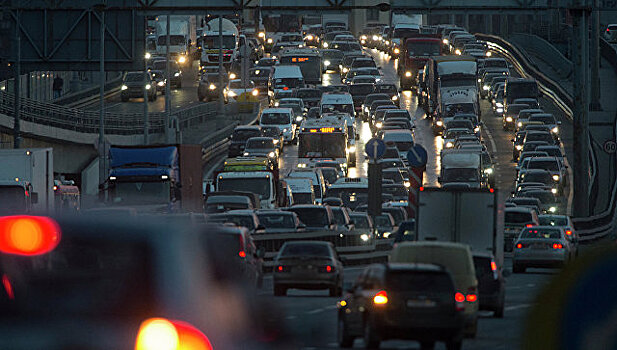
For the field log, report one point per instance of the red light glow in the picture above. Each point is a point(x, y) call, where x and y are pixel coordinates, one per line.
point(519, 246)
point(557, 246)
point(328, 268)
point(8, 287)
point(242, 254)
point(421, 188)
point(493, 266)
point(459, 297)
point(160, 333)
point(529, 225)
point(568, 233)
point(28, 235)
point(491, 190)
point(472, 298)
point(380, 298)
point(280, 268)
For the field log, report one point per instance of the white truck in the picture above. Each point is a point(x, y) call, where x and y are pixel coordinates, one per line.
point(210, 43)
point(27, 181)
point(182, 37)
point(464, 216)
point(461, 168)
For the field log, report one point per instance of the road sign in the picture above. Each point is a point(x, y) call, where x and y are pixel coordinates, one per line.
point(610, 146)
point(417, 156)
point(375, 148)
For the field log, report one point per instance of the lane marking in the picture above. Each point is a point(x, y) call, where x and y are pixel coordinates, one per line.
point(490, 138)
point(517, 307)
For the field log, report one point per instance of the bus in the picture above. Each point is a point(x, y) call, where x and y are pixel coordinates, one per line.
point(323, 139)
point(309, 61)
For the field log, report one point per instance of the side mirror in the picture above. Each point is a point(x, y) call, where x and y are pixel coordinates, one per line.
point(34, 197)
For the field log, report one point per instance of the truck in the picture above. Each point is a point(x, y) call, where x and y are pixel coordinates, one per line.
point(156, 179)
point(461, 168)
point(334, 20)
point(414, 54)
point(447, 72)
point(27, 181)
point(182, 37)
point(210, 43)
point(453, 215)
point(452, 101)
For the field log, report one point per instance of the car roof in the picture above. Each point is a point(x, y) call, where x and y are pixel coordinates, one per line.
point(519, 209)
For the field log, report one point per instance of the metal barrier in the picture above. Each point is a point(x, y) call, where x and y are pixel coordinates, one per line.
point(543, 48)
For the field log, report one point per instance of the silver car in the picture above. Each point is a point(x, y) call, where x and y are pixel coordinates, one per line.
point(541, 246)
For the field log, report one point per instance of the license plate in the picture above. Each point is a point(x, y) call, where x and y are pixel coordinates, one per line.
point(538, 246)
point(420, 303)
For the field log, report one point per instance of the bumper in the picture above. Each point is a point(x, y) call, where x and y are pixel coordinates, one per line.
point(308, 281)
point(133, 93)
point(539, 258)
point(429, 329)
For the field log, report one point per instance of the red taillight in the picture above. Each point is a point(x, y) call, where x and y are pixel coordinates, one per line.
point(280, 268)
point(380, 298)
point(491, 190)
point(421, 188)
point(8, 287)
point(519, 246)
point(242, 254)
point(459, 297)
point(557, 246)
point(568, 233)
point(55, 188)
point(493, 266)
point(471, 298)
point(329, 268)
point(28, 235)
point(529, 225)
point(160, 333)
point(285, 88)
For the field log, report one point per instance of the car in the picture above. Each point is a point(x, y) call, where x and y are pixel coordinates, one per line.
point(515, 219)
point(239, 217)
point(275, 133)
point(548, 201)
point(314, 217)
point(406, 231)
point(262, 147)
point(414, 301)
point(455, 257)
point(159, 79)
point(364, 224)
point(331, 59)
point(548, 120)
point(222, 204)
point(236, 90)
point(261, 75)
point(362, 79)
point(308, 265)
point(341, 218)
point(278, 221)
point(175, 71)
point(541, 246)
point(398, 191)
point(384, 225)
point(136, 85)
point(491, 283)
point(561, 221)
point(310, 96)
point(554, 165)
point(373, 72)
point(451, 134)
point(539, 175)
point(389, 89)
point(239, 137)
point(283, 118)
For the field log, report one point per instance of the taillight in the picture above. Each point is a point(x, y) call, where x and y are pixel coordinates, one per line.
point(8, 287)
point(28, 235)
point(529, 225)
point(568, 233)
point(163, 334)
point(326, 268)
point(380, 298)
point(493, 266)
point(241, 253)
point(459, 297)
point(282, 268)
point(557, 246)
point(519, 246)
point(471, 298)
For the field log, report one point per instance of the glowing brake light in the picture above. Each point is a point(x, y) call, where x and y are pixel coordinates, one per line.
point(568, 233)
point(557, 246)
point(493, 266)
point(28, 235)
point(519, 246)
point(242, 254)
point(380, 298)
point(472, 298)
point(459, 297)
point(529, 225)
point(163, 334)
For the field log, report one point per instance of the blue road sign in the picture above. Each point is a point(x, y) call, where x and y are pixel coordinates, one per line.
point(417, 156)
point(375, 148)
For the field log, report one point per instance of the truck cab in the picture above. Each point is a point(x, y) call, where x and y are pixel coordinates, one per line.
point(16, 197)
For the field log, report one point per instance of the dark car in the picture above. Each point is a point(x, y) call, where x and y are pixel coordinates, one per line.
point(239, 137)
point(308, 265)
point(209, 85)
point(310, 96)
point(331, 59)
point(277, 221)
point(261, 147)
point(135, 84)
point(406, 231)
point(159, 80)
point(275, 133)
point(491, 283)
point(359, 92)
point(267, 62)
point(174, 70)
point(260, 76)
point(315, 217)
point(402, 301)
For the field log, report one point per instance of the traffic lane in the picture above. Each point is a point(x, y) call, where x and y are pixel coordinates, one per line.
point(423, 133)
point(180, 98)
point(311, 316)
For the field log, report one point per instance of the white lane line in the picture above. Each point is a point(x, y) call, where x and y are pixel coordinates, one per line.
point(516, 307)
point(490, 138)
point(316, 311)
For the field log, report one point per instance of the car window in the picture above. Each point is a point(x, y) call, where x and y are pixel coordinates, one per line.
point(536, 233)
point(304, 249)
point(276, 220)
point(517, 217)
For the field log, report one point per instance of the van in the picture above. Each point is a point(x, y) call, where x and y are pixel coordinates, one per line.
point(457, 259)
point(285, 77)
point(337, 102)
point(302, 190)
point(283, 119)
point(315, 174)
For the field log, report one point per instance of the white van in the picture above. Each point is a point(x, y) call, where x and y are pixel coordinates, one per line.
point(285, 77)
point(281, 117)
point(302, 190)
point(332, 102)
point(455, 257)
point(315, 174)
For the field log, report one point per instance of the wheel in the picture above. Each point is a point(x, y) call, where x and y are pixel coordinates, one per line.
point(371, 340)
point(498, 313)
point(427, 345)
point(279, 291)
point(518, 269)
point(454, 345)
point(344, 339)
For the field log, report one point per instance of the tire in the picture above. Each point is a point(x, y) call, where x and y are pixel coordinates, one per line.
point(427, 345)
point(518, 269)
point(454, 345)
point(343, 338)
point(279, 291)
point(371, 340)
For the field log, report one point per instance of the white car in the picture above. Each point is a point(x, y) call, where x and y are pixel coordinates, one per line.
point(283, 119)
point(235, 89)
point(541, 246)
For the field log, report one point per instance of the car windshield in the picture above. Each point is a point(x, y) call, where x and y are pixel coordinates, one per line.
point(302, 198)
point(553, 220)
point(541, 233)
point(339, 217)
point(243, 135)
point(550, 165)
point(308, 93)
point(238, 220)
point(543, 177)
point(546, 119)
point(360, 221)
point(363, 63)
point(312, 217)
point(545, 197)
point(461, 175)
point(397, 191)
point(305, 249)
point(260, 144)
point(276, 220)
point(135, 193)
point(383, 221)
point(260, 186)
point(134, 77)
point(271, 131)
point(511, 217)
point(332, 54)
point(330, 174)
point(276, 118)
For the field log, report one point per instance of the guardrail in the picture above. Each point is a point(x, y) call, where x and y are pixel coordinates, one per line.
point(588, 228)
point(89, 94)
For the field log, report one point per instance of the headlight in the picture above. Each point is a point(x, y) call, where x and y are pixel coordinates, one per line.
point(176, 74)
point(379, 125)
point(552, 209)
point(231, 93)
point(519, 147)
point(394, 98)
point(449, 144)
point(499, 110)
point(363, 37)
point(553, 190)
point(212, 86)
point(298, 118)
point(261, 35)
point(366, 110)
point(445, 41)
point(499, 105)
point(276, 104)
point(488, 171)
point(387, 42)
point(479, 80)
point(364, 237)
point(269, 41)
point(246, 154)
point(345, 70)
point(285, 130)
point(457, 51)
point(476, 129)
point(363, 41)
point(486, 87)
point(386, 234)
point(232, 76)
point(325, 44)
point(275, 141)
point(489, 54)
point(509, 119)
point(124, 87)
point(397, 51)
point(181, 59)
point(408, 74)
point(148, 55)
point(407, 184)
point(375, 37)
point(271, 154)
point(555, 130)
point(161, 83)
point(439, 123)
point(310, 37)
point(520, 124)
point(380, 37)
point(556, 177)
point(301, 165)
point(326, 63)
point(352, 149)
point(148, 86)
point(255, 92)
